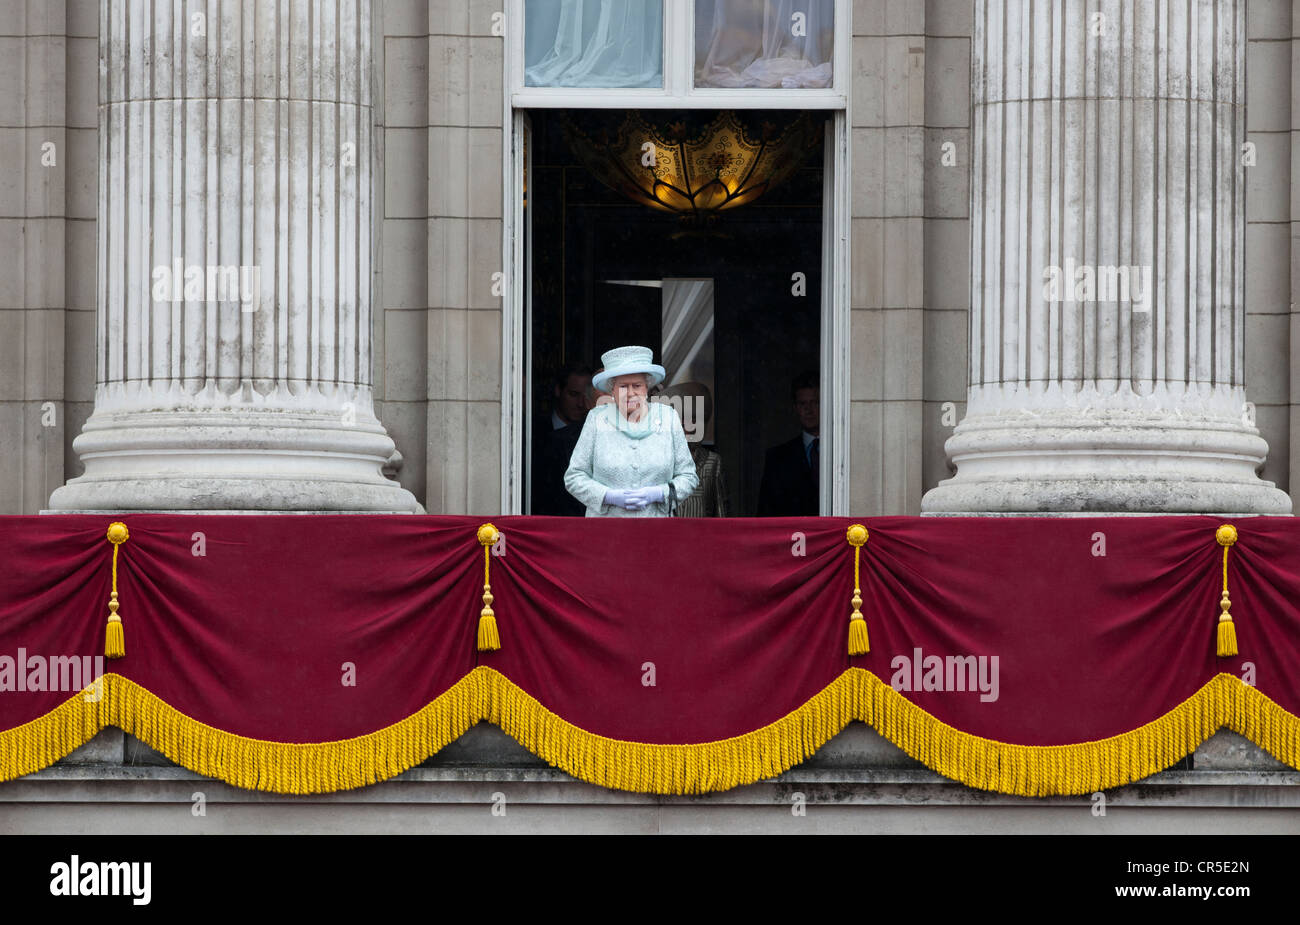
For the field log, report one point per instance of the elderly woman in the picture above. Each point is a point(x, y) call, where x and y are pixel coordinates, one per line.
point(631, 459)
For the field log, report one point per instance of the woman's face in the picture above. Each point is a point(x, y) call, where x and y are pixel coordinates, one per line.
point(631, 393)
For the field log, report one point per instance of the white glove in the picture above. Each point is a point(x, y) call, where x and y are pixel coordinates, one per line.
point(652, 494)
point(644, 497)
point(624, 498)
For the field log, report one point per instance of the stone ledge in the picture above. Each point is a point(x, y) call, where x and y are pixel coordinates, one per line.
point(116, 801)
point(550, 785)
point(856, 747)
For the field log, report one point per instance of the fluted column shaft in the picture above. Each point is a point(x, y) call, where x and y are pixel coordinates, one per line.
point(234, 354)
point(1107, 337)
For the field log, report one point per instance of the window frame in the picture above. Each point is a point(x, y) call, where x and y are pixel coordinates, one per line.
point(679, 90)
point(837, 245)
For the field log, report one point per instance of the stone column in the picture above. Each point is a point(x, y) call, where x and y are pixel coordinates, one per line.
point(1107, 135)
point(234, 354)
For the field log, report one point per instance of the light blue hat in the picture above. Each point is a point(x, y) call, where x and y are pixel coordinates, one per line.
point(624, 360)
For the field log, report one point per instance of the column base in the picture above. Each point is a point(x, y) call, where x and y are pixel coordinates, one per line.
point(229, 496)
point(1102, 496)
point(1180, 460)
point(234, 460)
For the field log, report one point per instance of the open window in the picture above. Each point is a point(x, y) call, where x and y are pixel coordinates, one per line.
point(737, 284)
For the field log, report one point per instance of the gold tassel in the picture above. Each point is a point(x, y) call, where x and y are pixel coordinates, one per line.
point(489, 640)
point(1226, 638)
point(858, 642)
point(114, 636)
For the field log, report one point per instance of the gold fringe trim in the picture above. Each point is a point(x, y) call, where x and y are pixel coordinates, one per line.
point(1022, 770)
point(38, 744)
point(1084, 767)
point(671, 769)
point(254, 764)
point(986, 764)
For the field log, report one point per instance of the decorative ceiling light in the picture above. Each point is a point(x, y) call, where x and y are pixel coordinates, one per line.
point(693, 170)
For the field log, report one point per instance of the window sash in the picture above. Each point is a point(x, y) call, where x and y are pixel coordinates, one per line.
point(679, 90)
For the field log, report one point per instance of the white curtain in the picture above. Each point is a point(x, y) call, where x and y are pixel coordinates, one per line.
point(686, 331)
point(763, 43)
point(593, 43)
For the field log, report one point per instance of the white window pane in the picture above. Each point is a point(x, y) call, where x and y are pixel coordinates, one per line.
point(764, 43)
point(593, 43)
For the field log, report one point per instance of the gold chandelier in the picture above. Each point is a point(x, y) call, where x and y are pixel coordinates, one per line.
point(693, 171)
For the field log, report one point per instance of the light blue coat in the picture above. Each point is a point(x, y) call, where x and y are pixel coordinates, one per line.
point(613, 453)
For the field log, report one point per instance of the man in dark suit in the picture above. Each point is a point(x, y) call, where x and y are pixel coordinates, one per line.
point(555, 439)
point(792, 470)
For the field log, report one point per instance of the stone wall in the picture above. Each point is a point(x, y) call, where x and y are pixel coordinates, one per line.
point(48, 195)
point(910, 112)
point(441, 123)
point(1269, 196)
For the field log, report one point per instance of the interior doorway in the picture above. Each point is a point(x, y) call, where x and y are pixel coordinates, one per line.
point(731, 301)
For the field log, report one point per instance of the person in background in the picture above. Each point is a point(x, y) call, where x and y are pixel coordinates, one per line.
point(631, 459)
point(570, 402)
point(710, 497)
point(792, 470)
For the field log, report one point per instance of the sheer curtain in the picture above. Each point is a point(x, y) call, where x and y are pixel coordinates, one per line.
point(593, 43)
point(752, 43)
